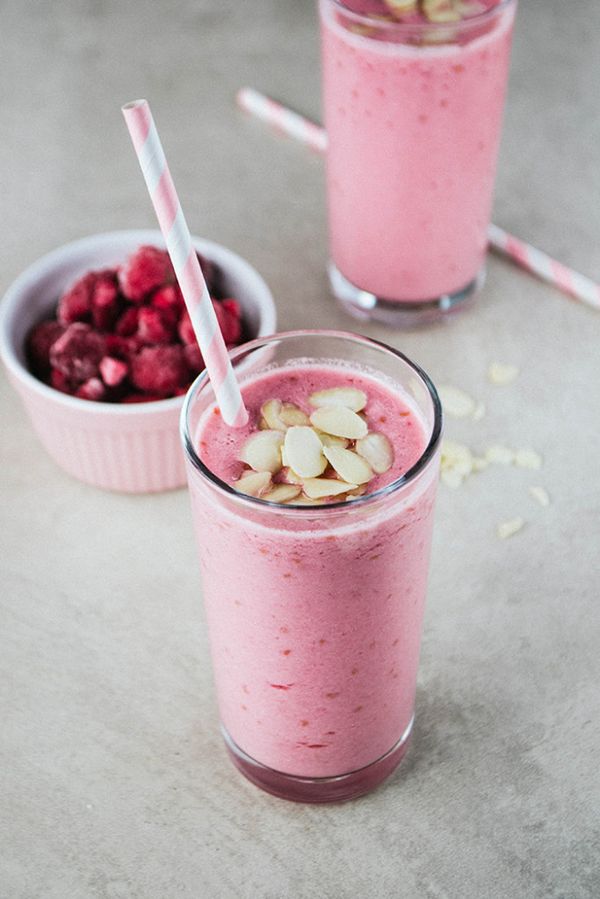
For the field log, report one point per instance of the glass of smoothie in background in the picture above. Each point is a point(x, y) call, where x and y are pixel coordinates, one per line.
point(413, 112)
point(315, 611)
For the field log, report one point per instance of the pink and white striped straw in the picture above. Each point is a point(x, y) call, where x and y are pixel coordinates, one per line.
point(525, 255)
point(169, 213)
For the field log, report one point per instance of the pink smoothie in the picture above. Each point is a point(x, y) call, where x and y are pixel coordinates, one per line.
point(315, 613)
point(413, 136)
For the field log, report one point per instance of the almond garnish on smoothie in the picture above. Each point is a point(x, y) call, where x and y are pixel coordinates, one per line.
point(328, 456)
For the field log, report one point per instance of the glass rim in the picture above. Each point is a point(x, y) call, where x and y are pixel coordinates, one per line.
point(412, 27)
point(256, 502)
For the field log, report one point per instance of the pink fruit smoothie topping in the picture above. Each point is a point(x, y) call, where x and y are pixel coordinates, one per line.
point(315, 435)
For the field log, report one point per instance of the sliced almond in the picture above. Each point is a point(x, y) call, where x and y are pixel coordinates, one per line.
point(292, 416)
point(354, 494)
point(401, 7)
point(456, 457)
point(455, 402)
point(540, 495)
point(329, 440)
point(292, 477)
point(282, 493)
point(478, 411)
point(501, 374)
point(318, 488)
point(270, 412)
point(303, 500)
point(507, 528)
point(528, 458)
point(479, 463)
point(339, 421)
point(304, 452)
point(452, 478)
point(499, 454)
point(262, 451)
point(253, 483)
point(349, 397)
point(351, 467)
point(377, 450)
point(440, 11)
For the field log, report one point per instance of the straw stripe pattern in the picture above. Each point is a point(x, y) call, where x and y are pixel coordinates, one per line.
point(528, 257)
point(185, 262)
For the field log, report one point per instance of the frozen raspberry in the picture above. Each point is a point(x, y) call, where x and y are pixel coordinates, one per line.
point(77, 352)
point(39, 341)
point(144, 271)
point(159, 370)
point(169, 299)
point(193, 357)
point(119, 347)
point(155, 326)
point(128, 322)
point(60, 381)
point(113, 370)
point(105, 302)
point(185, 329)
point(76, 304)
point(93, 389)
point(230, 321)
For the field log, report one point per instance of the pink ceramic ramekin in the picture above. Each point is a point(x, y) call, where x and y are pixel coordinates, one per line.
point(133, 448)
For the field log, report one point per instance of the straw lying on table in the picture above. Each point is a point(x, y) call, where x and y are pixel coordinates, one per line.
point(528, 257)
point(151, 157)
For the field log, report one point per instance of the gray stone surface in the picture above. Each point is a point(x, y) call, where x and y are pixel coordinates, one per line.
point(113, 779)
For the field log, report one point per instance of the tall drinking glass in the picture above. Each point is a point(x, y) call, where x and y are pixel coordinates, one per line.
point(413, 112)
point(315, 612)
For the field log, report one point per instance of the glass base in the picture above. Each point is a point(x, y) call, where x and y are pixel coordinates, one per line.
point(319, 789)
point(367, 306)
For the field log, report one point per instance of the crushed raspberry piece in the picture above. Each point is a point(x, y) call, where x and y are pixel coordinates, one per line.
point(185, 329)
point(77, 352)
point(91, 390)
point(76, 304)
point(193, 357)
point(155, 326)
point(128, 322)
point(169, 299)
point(159, 370)
point(230, 320)
point(39, 340)
point(144, 271)
point(105, 302)
point(60, 381)
point(113, 371)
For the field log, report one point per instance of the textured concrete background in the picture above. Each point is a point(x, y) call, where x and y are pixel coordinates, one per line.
point(113, 780)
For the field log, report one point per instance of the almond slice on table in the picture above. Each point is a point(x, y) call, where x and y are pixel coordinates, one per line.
point(304, 452)
point(507, 528)
point(262, 451)
point(292, 416)
point(501, 374)
point(349, 397)
point(377, 450)
point(282, 493)
point(540, 495)
point(351, 467)
point(455, 402)
point(253, 483)
point(499, 454)
point(440, 11)
point(318, 488)
point(339, 421)
point(528, 458)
